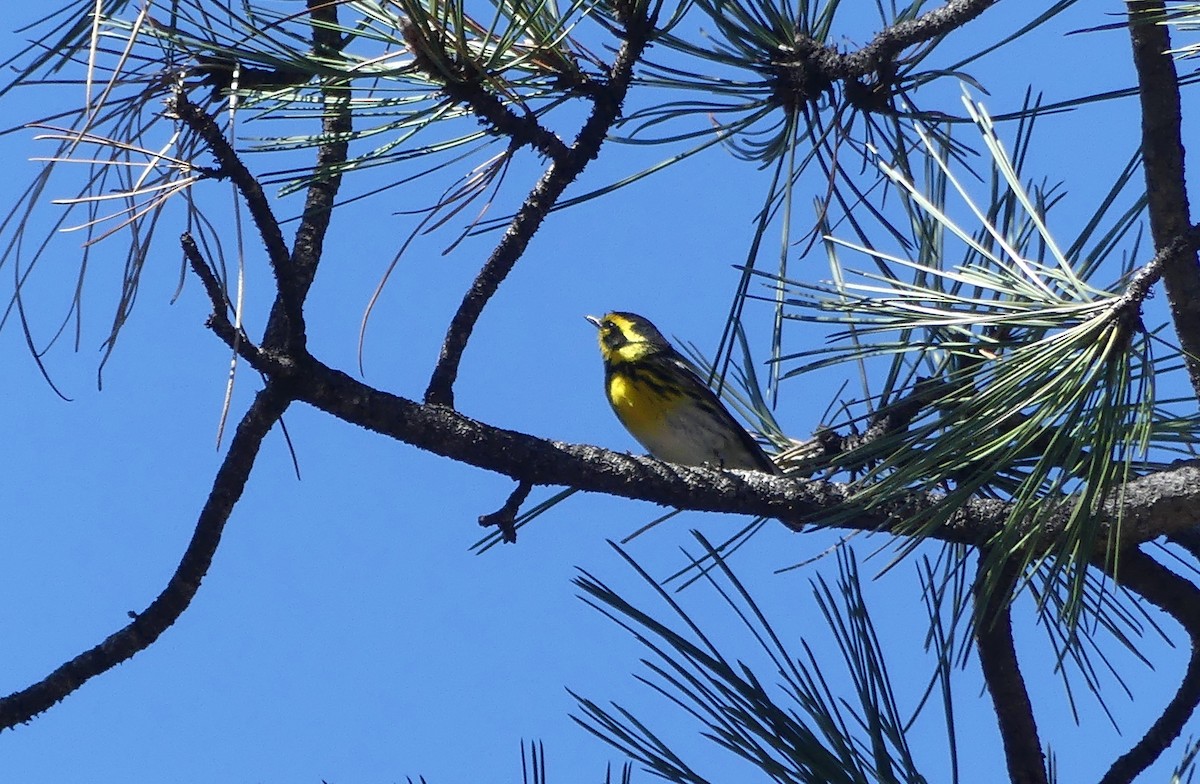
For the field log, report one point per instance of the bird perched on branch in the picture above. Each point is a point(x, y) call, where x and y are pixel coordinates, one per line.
point(663, 402)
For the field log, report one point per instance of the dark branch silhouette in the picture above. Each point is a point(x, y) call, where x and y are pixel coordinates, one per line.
point(1002, 674)
point(868, 74)
point(230, 165)
point(505, 517)
point(883, 50)
point(208, 278)
point(294, 274)
point(605, 113)
point(465, 82)
point(1166, 188)
point(286, 323)
point(1148, 506)
point(1180, 599)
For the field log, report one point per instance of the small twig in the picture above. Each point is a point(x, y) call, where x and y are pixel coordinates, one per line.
point(1141, 283)
point(148, 625)
point(899, 414)
point(1002, 674)
point(463, 81)
point(884, 48)
point(218, 322)
point(537, 205)
point(505, 517)
point(807, 457)
point(200, 266)
point(221, 307)
point(1180, 599)
point(230, 165)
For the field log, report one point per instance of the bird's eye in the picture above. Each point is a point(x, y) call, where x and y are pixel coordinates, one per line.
point(611, 334)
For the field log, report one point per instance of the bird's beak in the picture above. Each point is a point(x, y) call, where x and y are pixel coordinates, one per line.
point(595, 322)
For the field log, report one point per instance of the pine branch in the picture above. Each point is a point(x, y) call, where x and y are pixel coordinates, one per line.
point(286, 322)
point(463, 81)
point(561, 173)
point(1163, 154)
point(218, 321)
point(1180, 599)
point(813, 67)
point(1002, 674)
point(229, 164)
point(1146, 507)
point(882, 51)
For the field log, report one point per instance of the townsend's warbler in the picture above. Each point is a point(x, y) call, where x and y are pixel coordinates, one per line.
point(664, 404)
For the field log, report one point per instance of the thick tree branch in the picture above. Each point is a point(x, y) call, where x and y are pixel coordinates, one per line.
point(146, 626)
point(1148, 506)
point(1189, 540)
point(1180, 599)
point(286, 323)
point(1163, 155)
point(1002, 674)
point(537, 205)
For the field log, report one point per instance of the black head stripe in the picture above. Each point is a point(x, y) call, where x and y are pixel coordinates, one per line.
point(612, 336)
point(645, 330)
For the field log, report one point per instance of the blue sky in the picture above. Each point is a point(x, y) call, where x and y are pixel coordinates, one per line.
point(345, 632)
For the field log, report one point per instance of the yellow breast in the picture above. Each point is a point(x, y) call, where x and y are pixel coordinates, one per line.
point(662, 419)
point(641, 407)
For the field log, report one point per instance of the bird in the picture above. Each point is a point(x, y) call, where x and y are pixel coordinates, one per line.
point(664, 403)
